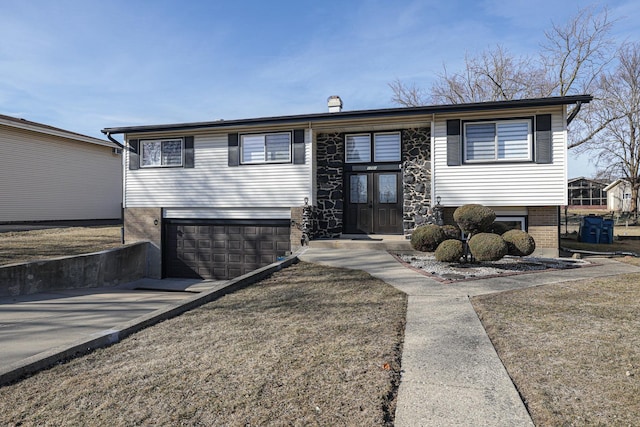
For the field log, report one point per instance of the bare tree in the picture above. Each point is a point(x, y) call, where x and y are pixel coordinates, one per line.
point(494, 75)
point(576, 53)
point(407, 95)
point(617, 146)
point(570, 59)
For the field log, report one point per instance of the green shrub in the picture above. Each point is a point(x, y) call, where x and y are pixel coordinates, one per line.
point(451, 231)
point(426, 238)
point(498, 228)
point(487, 247)
point(449, 251)
point(474, 219)
point(519, 243)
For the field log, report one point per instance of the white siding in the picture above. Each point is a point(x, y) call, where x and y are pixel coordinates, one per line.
point(502, 184)
point(46, 178)
point(213, 184)
point(229, 213)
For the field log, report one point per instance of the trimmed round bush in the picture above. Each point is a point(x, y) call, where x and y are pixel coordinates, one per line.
point(449, 251)
point(451, 231)
point(474, 219)
point(498, 228)
point(487, 247)
point(426, 238)
point(519, 243)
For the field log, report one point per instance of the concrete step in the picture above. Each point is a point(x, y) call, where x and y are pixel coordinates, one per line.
point(363, 241)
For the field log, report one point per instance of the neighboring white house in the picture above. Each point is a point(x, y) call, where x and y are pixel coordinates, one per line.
point(619, 196)
point(51, 174)
point(218, 198)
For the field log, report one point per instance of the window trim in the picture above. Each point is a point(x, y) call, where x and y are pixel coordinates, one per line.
point(266, 160)
point(496, 121)
point(160, 140)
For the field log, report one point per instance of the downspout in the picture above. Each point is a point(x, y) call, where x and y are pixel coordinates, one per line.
point(574, 112)
point(112, 139)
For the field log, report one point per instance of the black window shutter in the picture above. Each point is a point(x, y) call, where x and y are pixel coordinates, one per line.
point(298, 147)
point(544, 141)
point(188, 152)
point(134, 158)
point(454, 143)
point(234, 149)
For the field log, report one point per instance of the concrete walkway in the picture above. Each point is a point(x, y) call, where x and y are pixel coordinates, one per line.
point(32, 324)
point(451, 374)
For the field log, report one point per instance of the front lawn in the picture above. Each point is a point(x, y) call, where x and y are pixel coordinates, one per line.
point(23, 246)
point(311, 345)
point(572, 349)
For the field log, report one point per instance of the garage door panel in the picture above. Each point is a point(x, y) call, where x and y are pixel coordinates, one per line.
point(222, 249)
point(267, 245)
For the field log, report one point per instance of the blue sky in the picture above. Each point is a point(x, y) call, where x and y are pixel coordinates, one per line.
point(84, 65)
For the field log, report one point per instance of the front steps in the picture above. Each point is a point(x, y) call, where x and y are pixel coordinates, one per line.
point(382, 242)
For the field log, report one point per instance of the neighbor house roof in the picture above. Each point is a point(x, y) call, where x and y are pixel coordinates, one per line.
point(615, 184)
point(50, 130)
point(360, 114)
point(580, 178)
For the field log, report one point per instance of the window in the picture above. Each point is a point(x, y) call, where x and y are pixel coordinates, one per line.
point(358, 192)
point(513, 222)
point(386, 147)
point(505, 140)
point(388, 188)
point(358, 148)
point(266, 148)
point(161, 153)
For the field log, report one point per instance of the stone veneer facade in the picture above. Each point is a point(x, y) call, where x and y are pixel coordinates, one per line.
point(416, 176)
point(329, 196)
point(416, 166)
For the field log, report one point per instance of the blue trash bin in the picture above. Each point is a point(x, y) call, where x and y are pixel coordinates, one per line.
point(606, 233)
point(590, 229)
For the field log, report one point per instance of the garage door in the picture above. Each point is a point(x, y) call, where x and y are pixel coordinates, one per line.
point(222, 249)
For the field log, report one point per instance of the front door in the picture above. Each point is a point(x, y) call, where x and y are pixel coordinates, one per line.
point(373, 202)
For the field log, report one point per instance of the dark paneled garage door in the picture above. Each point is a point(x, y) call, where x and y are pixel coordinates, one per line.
point(222, 249)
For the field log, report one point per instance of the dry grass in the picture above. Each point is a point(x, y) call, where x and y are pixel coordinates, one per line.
point(311, 345)
point(33, 245)
point(572, 349)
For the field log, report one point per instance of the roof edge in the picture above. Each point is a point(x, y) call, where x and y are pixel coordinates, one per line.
point(360, 114)
point(23, 124)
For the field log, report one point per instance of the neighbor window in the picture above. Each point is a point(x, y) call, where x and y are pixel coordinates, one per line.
point(161, 152)
point(266, 148)
point(505, 140)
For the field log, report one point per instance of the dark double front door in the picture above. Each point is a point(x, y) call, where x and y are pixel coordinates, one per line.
point(373, 202)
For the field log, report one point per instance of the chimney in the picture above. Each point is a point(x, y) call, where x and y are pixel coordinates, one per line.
point(334, 103)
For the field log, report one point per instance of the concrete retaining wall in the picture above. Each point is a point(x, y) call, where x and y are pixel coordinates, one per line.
point(107, 268)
